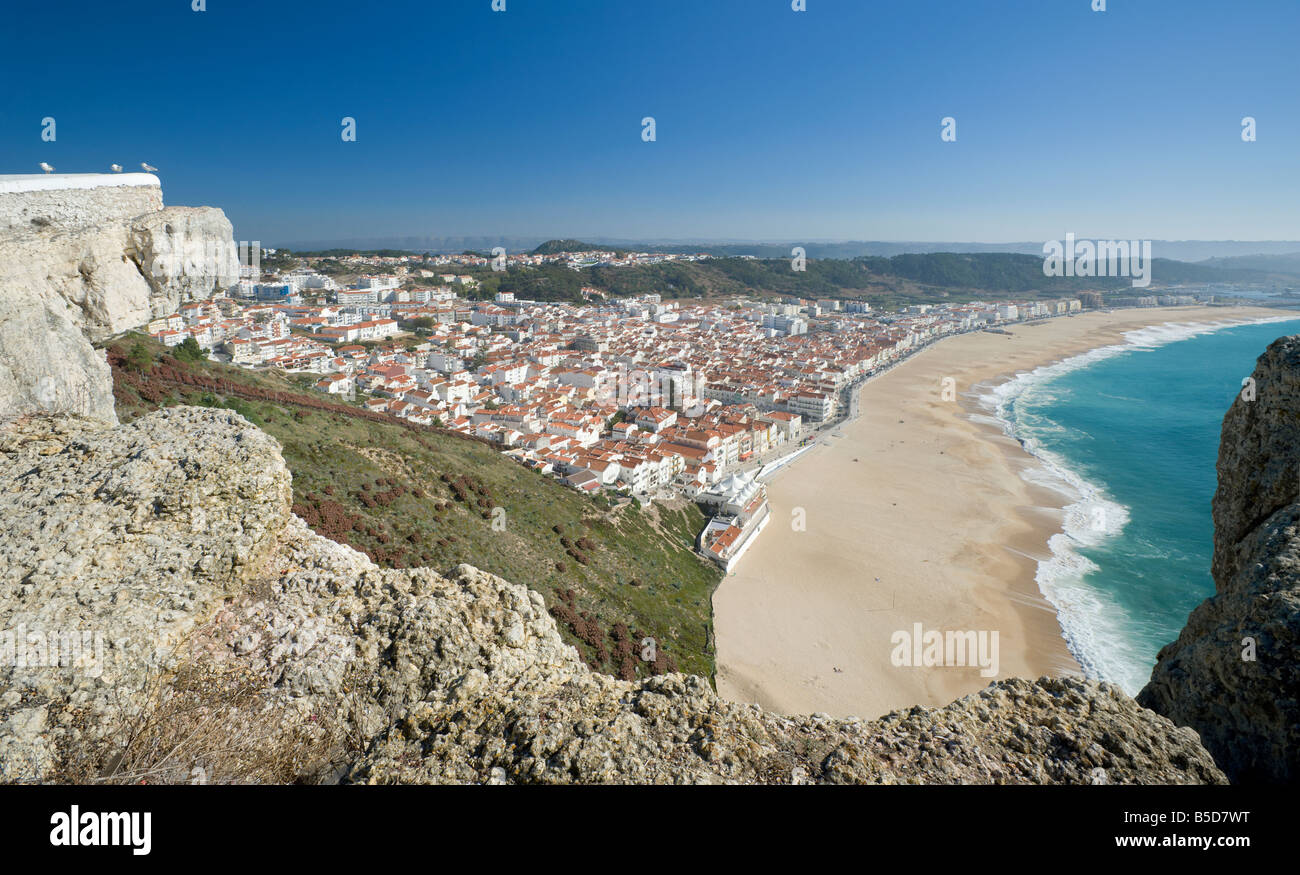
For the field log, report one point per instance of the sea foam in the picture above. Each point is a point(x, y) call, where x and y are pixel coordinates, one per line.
point(1095, 627)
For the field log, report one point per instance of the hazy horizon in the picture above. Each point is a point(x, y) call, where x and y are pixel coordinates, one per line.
point(1177, 250)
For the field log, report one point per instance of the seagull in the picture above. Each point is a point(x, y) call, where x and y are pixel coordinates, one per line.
point(47, 168)
point(148, 168)
point(116, 168)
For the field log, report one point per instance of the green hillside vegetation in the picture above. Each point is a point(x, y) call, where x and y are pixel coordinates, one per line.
point(1010, 272)
point(559, 247)
point(1285, 267)
point(409, 495)
point(884, 281)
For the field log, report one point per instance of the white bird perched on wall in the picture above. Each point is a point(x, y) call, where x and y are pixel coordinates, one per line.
point(148, 168)
point(47, 168)
point(116, 168)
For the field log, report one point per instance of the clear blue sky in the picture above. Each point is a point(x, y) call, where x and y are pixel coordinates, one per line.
point(771, 124)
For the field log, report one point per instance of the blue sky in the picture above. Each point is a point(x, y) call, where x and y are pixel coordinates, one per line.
point(771, 124)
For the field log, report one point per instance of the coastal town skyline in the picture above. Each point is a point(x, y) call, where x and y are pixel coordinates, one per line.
point(641, 397)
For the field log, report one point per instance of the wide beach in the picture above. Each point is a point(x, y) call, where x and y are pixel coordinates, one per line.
point(916, 513)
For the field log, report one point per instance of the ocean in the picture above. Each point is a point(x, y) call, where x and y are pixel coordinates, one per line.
point(1130, 434)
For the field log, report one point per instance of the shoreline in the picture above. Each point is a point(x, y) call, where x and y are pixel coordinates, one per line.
point(933, 523)
point(1089, 510)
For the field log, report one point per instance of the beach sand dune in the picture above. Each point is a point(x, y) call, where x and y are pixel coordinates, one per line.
point(917, 513)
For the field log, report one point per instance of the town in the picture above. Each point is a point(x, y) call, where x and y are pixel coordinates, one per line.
point(640, 398)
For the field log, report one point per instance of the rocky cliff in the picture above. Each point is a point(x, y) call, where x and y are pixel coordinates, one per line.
point(165, 617)
point(84, 258)
point(235, 641)
point(1233, 674)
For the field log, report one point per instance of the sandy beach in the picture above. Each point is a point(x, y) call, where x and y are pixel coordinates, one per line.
point(915, 514)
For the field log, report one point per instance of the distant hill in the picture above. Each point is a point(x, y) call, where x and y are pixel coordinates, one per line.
point(885, 281)
point(1288, 263)
point(559, 247)
point(1177, 250)
point(1012, 272)
point(437, 245)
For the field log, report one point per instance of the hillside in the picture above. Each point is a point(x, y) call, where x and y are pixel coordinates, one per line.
point(1287, 265)
point(884, 281)
point(558, 247)
point(410, 496)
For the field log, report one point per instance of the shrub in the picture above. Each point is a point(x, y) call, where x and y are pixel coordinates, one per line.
point(138, 359)
point(189, 351)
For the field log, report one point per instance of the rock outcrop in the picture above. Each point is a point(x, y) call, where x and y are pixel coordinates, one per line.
point(117, 543)
point(75, 200)
point(83, 264)
point(171, 540)
point(1233, 675)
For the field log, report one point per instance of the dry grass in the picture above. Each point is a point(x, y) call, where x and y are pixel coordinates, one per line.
point(210, 719)
point(204, 723)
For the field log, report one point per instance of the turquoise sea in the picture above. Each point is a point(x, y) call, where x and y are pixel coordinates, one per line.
point(1130, 433)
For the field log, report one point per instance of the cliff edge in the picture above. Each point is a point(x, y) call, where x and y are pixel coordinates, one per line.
point(86, 257)
point(230, 638)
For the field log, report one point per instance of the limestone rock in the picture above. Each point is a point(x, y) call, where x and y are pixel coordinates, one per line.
point(117, 542)
point(185, 254)
point(75, 200)
point(82, 266)
point(46, 363)
point(173, 536)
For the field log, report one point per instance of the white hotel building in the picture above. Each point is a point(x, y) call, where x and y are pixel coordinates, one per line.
point(812, 405)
